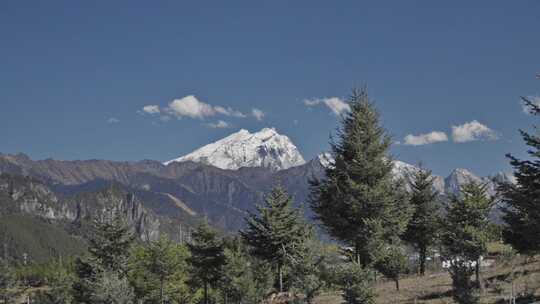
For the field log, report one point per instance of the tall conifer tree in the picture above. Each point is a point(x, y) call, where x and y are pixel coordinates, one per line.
point(358, 201)
point(424, 225)
point(277, 231)
point(522, 212)
point(465, 233)
point(207, 256)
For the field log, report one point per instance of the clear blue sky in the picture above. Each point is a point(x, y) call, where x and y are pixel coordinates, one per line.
point(74, 74)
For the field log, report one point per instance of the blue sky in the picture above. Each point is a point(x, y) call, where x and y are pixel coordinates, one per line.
point(75, 75)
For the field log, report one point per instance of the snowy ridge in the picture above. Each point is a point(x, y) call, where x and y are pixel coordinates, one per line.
point(265, 148)
point(449, 185)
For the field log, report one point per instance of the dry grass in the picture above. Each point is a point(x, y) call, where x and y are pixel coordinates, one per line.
point(436, 288)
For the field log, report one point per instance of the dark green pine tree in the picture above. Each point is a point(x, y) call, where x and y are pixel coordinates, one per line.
point(207, 257)
point(424, 224)
point(465, 233)
point(109, 248)
point(522, 211)
point(276, 233)
point(358, 201)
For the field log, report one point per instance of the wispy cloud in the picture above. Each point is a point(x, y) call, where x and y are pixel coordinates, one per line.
point(113, 120)
point(472, 131)
point(425, 139)
point(257, 113)
point(151, 109)
point(229, 112)
point(220, 124)
point(335, 104)
point(191, 107)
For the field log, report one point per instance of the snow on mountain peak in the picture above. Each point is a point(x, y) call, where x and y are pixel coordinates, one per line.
point(266, 148)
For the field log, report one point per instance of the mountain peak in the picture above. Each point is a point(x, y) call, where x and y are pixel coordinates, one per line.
point(266, 148)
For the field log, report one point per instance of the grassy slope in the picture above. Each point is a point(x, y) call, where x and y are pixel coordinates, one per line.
point(39, 239)
point(436, 287)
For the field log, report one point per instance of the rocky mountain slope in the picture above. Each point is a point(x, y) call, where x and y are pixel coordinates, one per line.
point(27, 204)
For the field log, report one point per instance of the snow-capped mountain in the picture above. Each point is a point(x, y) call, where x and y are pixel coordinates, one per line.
point(459, 177)
point(266, 148)
point(449, 185)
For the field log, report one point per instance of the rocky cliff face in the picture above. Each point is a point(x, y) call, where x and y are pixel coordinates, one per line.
point(28, 196)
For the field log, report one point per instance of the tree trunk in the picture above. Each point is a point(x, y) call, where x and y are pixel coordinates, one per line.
point(205, 292)
point(397, 284)
point(478, 277)
point(422, 261)
point(161, 291)
point(280, 273)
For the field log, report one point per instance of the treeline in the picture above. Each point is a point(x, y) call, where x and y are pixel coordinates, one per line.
point(373, 216)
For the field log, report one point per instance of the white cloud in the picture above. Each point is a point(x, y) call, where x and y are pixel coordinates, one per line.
point(425, 139)
point(151, 109)
point(534, 99)
point(220, 124)
point(229, 112)
point(472, 131)
point(257, 113)
point(190, 106)
point(113, 120)
point(337, 105)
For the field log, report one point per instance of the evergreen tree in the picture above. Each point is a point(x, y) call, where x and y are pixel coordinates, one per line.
point(355, 282)
point(243, 279)
point(207, 257)
point(110, 287)
point(108, 249)
point(465, 234)
point(310, 271)
point(158, 271)
point(60, 283)
point(110, 245)
point(358, 202)
point(463, 287)
point(392, 263)
point(276, 233)
point(423, 226)
point(522, 212)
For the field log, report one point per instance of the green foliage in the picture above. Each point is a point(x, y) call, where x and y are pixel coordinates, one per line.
point(358, 202)
point(107, 263)
point(465, 234)
point(424, 225)
point(277, 232)
point(59, 281)
point(7, 282)
point(310, 272)
point(356, 284)
point(110, 287)
point(245, 279)
point(465, 237)
point(522, 211)
point(392, 263)
point(109, 246)
point(158, 271)
point(207, 257)
point(37, 238)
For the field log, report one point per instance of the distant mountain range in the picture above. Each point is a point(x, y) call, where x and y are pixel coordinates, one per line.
point(222, 181)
